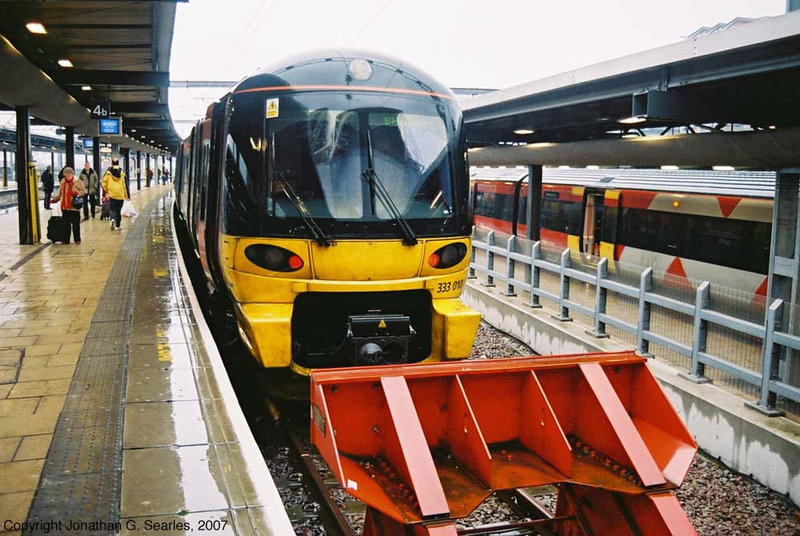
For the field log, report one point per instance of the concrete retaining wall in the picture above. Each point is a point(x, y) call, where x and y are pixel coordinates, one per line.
point(768, 448)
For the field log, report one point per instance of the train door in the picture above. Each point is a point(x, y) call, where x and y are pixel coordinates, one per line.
point(592, 223)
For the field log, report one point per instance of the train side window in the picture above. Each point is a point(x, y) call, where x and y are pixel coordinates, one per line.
point(522, 211)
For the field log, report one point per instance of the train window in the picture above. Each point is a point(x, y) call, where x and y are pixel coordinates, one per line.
point(739, 244)
point(562, 216)
point(522, 211)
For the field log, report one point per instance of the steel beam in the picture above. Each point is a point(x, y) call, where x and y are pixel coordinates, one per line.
point(116, 78)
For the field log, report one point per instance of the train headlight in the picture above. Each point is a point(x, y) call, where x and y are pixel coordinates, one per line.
point(360, 69)
point(448, 256)
point(273, 258)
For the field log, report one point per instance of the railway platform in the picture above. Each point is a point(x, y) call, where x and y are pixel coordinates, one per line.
point(116, 414)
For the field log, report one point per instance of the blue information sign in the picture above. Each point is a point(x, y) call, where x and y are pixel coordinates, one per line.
point(111, 126)
point(88, 143)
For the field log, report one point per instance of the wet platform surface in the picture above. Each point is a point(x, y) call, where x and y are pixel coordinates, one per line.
point(112, 407)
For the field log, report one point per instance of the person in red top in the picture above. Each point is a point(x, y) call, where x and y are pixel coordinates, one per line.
point(70, 189)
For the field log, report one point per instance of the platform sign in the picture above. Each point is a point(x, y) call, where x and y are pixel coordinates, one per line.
point(88, 143)
point(101, 110)
point(111, 126)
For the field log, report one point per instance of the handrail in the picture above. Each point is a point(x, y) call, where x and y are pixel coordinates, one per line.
point(773, 334)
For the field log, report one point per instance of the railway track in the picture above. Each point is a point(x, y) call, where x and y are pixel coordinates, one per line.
point(340, 514)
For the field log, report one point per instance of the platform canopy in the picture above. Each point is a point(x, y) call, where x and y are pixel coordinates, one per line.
point(119, 52)
point(737, 87)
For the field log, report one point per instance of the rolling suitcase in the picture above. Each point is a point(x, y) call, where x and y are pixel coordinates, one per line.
point(105, 209)
point(56, 227)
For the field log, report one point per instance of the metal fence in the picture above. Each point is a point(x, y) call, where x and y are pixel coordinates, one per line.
point(718, 334)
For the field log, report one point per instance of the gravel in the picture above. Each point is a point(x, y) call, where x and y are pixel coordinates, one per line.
point(493, 344)
point(719, 501)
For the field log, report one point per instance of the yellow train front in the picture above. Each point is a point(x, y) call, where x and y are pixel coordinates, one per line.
point(328, 199)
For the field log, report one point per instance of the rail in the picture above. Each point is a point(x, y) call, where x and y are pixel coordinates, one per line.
point(9, 199)
point(768, 379)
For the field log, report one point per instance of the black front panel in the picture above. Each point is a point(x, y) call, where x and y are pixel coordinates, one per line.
point(320, 324)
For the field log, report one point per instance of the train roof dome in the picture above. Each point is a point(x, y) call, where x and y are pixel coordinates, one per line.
point(345, 67)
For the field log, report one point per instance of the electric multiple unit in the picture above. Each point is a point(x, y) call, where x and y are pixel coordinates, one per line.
point(327, 200)
point(699, 225)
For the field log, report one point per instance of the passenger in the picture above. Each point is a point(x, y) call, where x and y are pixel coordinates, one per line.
point(47, 186)
point(90, 180)
point(114, 188)
point(149, 177)
point(68, 190)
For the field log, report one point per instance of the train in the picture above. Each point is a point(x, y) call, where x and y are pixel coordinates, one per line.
point(695, 225)
point(327, 200)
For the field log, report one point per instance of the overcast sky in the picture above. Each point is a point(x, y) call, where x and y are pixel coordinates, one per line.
point(463, 43)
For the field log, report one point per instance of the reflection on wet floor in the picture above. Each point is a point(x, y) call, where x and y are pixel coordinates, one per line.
point(180, 452)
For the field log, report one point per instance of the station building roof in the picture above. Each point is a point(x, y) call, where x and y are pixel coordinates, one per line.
point(119, 52)
point(737, 84)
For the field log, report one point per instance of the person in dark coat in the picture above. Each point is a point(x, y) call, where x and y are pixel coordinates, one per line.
point(47, 186)
point(91, 182)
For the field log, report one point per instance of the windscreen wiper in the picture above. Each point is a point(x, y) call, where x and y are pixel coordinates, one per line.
point(319, 235)
point(371, 177)
point(379, 190)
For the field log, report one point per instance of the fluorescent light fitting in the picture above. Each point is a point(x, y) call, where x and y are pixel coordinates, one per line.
point(592, 167)
point(65, 63)
point(670, 168)
point(630, 135)
point(722, 168)
point(86, 88)
point(36, 28)
point(523, 131)
point(632, 120)
point(772, 127)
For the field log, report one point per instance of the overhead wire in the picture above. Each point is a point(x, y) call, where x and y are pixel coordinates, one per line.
point(371, 20)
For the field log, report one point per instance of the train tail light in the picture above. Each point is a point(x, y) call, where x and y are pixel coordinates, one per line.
point(273, 258)
point(448, 256)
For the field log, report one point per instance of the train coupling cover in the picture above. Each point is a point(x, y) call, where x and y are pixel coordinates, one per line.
point(379, 339)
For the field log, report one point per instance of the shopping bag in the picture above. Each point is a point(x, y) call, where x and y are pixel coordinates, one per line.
point(128, 210)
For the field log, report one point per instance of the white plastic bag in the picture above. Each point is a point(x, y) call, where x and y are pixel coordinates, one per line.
point(128, 210)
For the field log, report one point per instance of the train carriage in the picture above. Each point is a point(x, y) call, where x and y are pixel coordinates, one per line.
point(327, 200)
point(697, 225)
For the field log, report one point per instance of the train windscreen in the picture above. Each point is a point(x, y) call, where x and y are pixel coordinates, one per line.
point(327, 155)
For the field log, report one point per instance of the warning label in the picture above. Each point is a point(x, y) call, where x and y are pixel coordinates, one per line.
point(272, 108)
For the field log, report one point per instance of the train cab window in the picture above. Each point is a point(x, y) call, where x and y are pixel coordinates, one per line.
point(346, 160)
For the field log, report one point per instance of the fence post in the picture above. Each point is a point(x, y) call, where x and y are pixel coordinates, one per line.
point(536, 254)
point(510, 247)
point(600, 300)
point(645, 285)
point(701, 301)
point(563, 295)
point(769, 370)
point(471, 272)
point(489, 260)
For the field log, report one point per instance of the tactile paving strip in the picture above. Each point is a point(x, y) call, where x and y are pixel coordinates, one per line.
point(82, 473)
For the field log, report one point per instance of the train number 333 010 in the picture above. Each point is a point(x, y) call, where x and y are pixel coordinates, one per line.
point(447, 286)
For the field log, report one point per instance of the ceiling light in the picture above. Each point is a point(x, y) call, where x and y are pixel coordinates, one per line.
point(523, 131)
point(629, 135)
point(632, 120)
point(592, 167)
point(86, 88)
point(722, 168)
point(670, 168)
point(771, 127)
point(36, 28)
point(65, 63)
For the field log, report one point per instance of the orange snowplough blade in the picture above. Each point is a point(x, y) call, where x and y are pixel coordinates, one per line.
point(424, 444)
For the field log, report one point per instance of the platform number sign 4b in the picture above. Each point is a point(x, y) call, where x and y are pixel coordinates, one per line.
point(101, 110)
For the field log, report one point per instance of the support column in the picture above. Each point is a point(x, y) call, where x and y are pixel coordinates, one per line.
point(138, 170)
point(96, 155)
point(28, 212)
point(533, 209)
point(53, 163)
point(147, 170)
point(126, 167)
point(5, 169)
point(784, 267)
point(69, 140)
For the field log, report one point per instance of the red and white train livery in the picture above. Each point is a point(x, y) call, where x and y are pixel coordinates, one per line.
point(700, 225)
